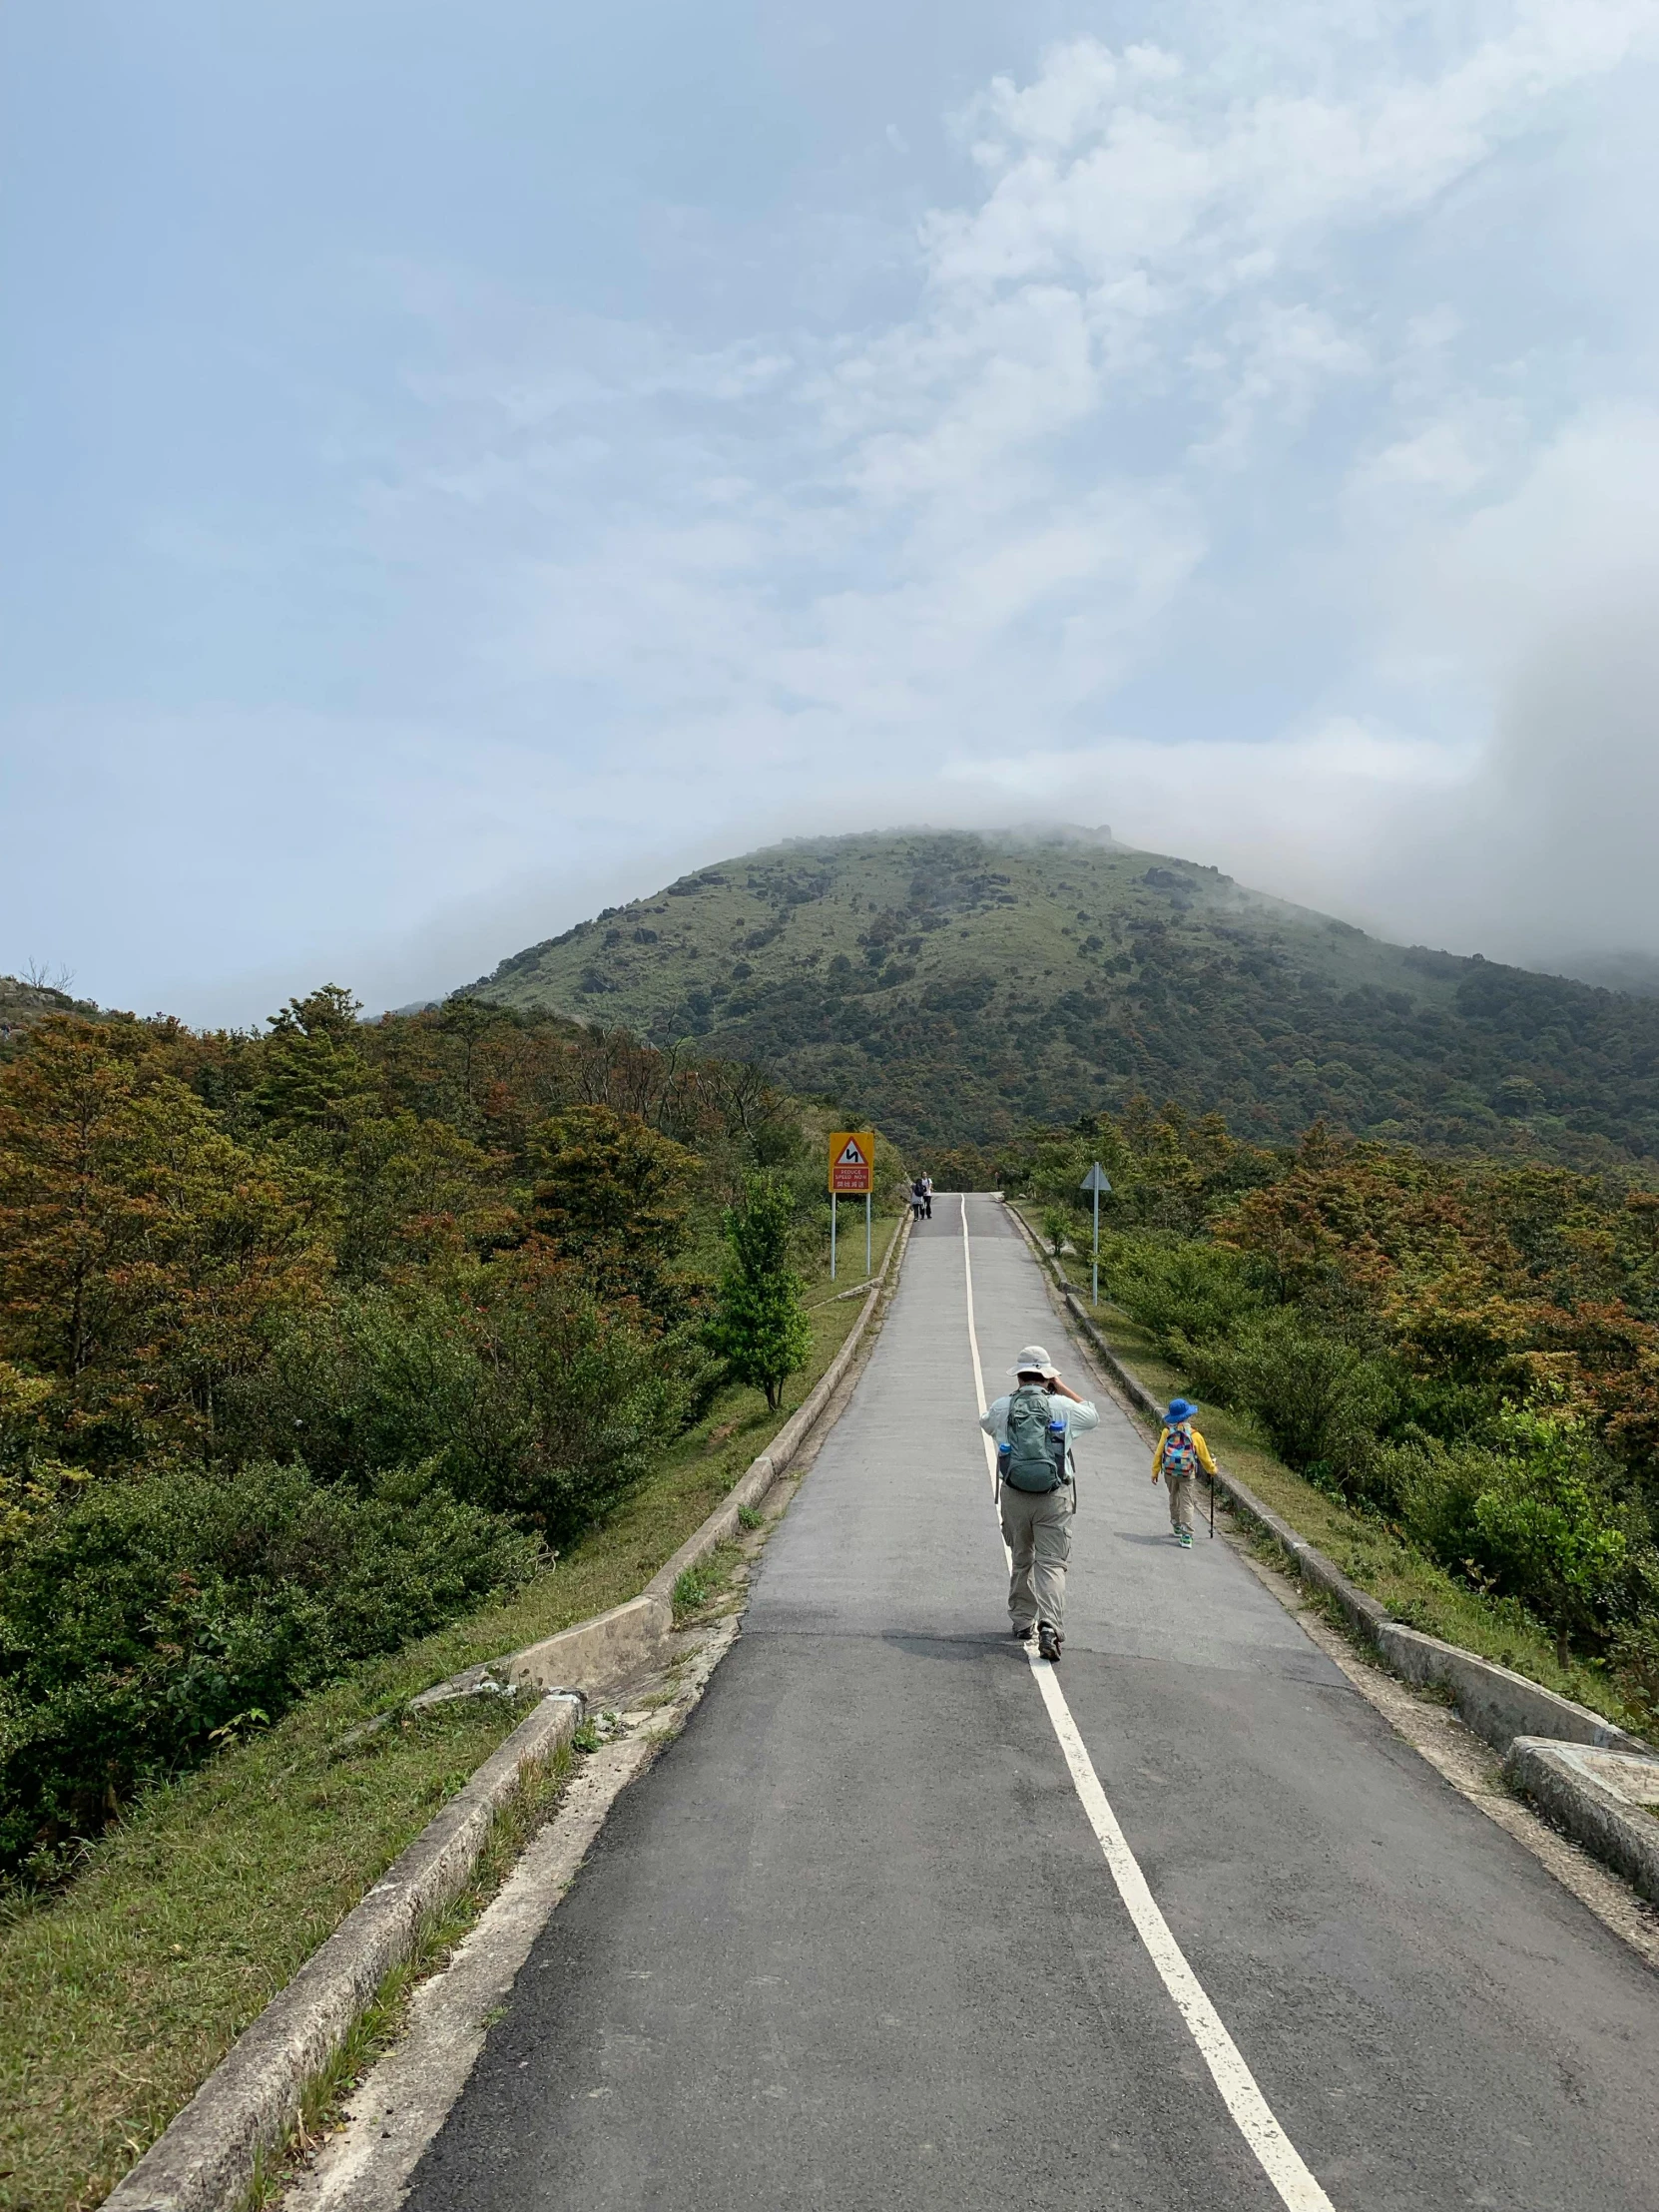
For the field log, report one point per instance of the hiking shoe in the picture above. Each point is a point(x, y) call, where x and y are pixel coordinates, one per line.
point(1185, 1539)
point(1024, 1634)
point(1048, 1644)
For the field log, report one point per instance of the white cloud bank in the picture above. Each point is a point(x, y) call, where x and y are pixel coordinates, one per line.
point(1264, 464)
point(1249, 474)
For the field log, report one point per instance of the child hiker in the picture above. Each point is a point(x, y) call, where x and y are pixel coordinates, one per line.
point(1179, 1452)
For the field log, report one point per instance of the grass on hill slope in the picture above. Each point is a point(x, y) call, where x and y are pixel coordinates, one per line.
point(957, 989)
point(1412, 1587)
point(120, 1996)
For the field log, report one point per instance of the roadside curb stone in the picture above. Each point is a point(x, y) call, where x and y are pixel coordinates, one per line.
point(205, 2158)
point(634, 1635)
point(1605, 1800)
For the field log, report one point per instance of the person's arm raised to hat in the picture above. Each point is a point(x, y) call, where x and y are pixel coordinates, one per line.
point(1084, 1416)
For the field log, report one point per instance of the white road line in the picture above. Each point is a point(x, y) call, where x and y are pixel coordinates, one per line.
point(1277, 2156)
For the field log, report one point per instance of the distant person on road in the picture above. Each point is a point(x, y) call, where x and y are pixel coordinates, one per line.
point(927, 1193)
point(1181, 1450)
point(1037, 1492)
point(921, 1198)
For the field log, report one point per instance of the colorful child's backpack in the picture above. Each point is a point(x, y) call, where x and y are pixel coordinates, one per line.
point(1180, 1453)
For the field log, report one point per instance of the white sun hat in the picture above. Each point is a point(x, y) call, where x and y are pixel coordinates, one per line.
point(1033, 1361)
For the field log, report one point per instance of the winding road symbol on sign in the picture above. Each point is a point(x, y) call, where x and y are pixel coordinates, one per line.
point(851, 1162)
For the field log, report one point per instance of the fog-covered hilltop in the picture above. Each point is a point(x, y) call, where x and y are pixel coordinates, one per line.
point(955, 986)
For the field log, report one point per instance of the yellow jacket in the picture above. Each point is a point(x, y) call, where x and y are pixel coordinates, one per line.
point(1199, 1446)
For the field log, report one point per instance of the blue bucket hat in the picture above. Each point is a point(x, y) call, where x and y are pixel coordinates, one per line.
point(1181, 1409)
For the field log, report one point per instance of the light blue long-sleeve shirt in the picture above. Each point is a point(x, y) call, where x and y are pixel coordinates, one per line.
point(1077, 1414)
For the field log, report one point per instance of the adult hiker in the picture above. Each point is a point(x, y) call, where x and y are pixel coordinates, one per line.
point(1037, 1492)
point(1179, 1452)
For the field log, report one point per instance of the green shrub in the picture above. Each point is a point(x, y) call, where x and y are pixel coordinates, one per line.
point(1435, 1490)
point(151, 1614)
point(1537, 1518)
point(1318, 1400)
point(533, 1401)
point(692, 1589)
point(1181, 1290)
point(1635, 1655)
point(1056, 1225)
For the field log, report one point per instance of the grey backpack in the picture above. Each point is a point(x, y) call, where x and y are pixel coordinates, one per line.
point(1034, 1458)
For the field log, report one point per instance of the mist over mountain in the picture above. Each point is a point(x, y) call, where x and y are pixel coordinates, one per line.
point(1634, 972)
point(955, 987)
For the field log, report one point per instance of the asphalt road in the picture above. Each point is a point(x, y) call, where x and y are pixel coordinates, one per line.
point(852, 1941)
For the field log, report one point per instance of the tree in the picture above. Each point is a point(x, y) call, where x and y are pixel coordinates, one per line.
point(29, 1481)
point(406, 1193)
point(760, 1328)
point(612, 1199)
point(140, 1246)
point(315, 1074)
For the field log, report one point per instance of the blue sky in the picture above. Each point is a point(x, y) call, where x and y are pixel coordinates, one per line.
point(463, 465)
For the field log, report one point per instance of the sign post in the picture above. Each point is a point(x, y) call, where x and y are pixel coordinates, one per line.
point(851, 1174)
point(1095, 1181)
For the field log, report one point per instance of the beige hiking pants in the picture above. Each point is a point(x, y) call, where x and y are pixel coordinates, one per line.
point(1180, 1488)
point(1038, 1530)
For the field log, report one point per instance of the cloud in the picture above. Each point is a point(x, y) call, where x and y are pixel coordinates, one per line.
point(916, 570)
point(1251, 449)
point(1169, 303)
point(1548, 596)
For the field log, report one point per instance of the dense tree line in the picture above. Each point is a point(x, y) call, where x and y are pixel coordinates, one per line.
point(1529, 1060)
point(312, 1339)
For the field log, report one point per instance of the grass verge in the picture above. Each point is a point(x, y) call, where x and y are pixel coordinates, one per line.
point(698, 1589)
point(379, 2025)
point(119, 1995)
point(1412, 1587)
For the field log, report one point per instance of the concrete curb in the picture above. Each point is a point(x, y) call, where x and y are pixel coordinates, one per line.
point(1603, 1799)
point(1497, 1703)
point(628, 1637)
point(207, 2157)
point(1494, 1701)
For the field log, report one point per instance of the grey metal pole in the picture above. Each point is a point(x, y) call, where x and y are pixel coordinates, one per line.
point(1096, 1182)
point(866, 1235)
point(831, 1236)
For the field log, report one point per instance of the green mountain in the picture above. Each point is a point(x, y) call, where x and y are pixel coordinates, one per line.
point(953, 990)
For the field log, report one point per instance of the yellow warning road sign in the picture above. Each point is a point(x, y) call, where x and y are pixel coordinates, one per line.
point(851, 1162)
